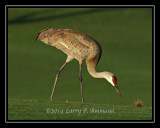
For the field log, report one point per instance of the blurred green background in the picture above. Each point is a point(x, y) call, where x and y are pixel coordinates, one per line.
point(125, 35)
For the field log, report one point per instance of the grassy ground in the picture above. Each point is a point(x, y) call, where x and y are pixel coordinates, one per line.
point(46, 110)
point(125, 35)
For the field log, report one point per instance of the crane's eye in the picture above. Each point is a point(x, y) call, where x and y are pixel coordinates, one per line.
point(114, 79)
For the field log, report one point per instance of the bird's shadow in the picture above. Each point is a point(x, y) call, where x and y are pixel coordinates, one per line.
point(47, 14)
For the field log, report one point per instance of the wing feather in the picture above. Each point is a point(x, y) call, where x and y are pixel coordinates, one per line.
point(71, 42)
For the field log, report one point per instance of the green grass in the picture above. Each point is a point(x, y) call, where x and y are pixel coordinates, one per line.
point(125, 35)
point(46, 110)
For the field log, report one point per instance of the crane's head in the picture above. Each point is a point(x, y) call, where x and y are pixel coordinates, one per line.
point(111, 78)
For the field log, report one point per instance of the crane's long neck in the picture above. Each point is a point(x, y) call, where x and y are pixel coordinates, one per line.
point(91, 67)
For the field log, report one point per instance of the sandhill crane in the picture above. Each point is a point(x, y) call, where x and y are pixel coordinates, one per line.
point(77, 46)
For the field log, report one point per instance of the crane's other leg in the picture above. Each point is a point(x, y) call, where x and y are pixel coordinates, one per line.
point(69, 58)
point(57, 75)
point(80, 78)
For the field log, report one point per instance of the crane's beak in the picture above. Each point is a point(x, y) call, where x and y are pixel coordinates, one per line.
point(117, 89)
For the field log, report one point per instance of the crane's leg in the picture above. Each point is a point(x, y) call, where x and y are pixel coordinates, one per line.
point(80, 78)
point(57, 74)
point(69, 58)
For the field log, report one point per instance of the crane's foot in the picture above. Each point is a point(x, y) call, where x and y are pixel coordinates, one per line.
point(82, 101)
point(51, 100)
